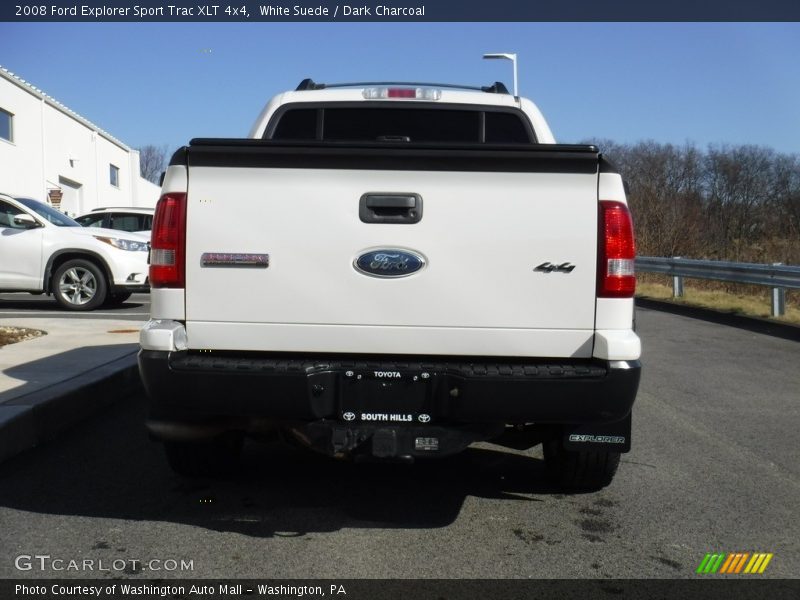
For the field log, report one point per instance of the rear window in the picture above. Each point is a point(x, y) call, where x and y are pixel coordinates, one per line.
point(505, 128)
point(401, 124)
point(129, 222)
point(298, 124)
point(91, 220)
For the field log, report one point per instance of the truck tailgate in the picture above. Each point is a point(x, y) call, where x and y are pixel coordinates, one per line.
point(487, 223)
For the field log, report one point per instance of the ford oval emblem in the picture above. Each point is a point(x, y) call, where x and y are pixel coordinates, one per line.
point(389, 262)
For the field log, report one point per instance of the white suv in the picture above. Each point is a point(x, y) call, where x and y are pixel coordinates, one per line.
point(43, 250)
point(123, 218)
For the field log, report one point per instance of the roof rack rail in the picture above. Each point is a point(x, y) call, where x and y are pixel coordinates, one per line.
point(123, 207)
point(496, 88)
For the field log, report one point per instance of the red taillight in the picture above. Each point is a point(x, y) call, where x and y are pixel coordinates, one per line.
point(402, 93)
point(420, 93)
point(168, 242)
point(616, 252)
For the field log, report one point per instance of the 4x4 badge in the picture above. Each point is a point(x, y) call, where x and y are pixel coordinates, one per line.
point(547, 267)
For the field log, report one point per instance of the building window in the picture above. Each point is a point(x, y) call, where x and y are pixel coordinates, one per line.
point(114, 175)
point(6, 129)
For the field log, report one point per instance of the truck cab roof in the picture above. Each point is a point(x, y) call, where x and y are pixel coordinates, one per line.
point(402, 94)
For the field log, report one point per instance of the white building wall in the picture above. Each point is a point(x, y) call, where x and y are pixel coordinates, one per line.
point(21, 164)
point(55, 149)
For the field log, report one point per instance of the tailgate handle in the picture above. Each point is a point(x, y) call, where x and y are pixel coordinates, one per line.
point(390, 208)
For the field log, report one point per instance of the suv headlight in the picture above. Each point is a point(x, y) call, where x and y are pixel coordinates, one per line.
point(123, 244)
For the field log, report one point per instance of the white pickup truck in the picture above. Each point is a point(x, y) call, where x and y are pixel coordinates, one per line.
point(392, 271)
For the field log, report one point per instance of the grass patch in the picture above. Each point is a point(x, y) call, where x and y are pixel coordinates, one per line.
point(11, 335)
point(743, 304)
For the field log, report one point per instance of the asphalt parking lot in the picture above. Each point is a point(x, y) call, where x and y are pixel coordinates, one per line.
point(136, 308)
point(715, 467)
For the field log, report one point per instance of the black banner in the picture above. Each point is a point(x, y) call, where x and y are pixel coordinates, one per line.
point(744, 587)
point(401, 10)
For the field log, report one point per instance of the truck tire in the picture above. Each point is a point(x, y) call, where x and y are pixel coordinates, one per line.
point(579, 470)
point(79, 284)
point(218, 457)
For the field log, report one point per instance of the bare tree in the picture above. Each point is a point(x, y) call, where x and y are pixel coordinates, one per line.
point(785, 210)
point(665, 195)
point(741, 188)
point(739, 203)
point(152, 161)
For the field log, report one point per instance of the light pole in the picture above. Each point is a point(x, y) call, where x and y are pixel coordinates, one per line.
point(512, 56)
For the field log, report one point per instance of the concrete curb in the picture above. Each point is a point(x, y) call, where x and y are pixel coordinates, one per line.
point(41, 415)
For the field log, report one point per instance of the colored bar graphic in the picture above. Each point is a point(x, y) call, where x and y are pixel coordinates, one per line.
point(755, 563)
point(704, 563)
point(715, 567)
point(741, 563)
point(734, 563)
point(728, 563)
point(764, 564)
point(737, 557)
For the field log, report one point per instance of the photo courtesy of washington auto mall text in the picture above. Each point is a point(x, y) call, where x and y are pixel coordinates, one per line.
point(178, 590)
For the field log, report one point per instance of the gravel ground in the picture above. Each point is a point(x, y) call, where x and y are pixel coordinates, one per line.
point(11, 335)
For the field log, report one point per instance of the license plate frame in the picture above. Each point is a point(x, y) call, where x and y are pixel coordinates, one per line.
point(395, 397)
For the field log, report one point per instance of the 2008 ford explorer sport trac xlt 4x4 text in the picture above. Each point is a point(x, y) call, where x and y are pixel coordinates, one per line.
point(393, 272)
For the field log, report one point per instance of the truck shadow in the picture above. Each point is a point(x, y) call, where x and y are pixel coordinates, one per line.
point(106, 467)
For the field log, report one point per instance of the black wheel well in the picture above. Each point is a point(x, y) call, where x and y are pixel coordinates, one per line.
point(63, 256)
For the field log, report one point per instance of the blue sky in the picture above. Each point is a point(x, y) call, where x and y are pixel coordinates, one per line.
point(164, 83)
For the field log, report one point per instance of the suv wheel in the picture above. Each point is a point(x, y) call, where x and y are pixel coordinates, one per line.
point(79, 284)
point(218, 457)
point(579, 470)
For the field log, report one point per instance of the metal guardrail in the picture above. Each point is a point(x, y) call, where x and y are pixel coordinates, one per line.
point(777, 276)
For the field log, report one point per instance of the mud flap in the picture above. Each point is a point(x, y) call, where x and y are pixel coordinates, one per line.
point(614, 437)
